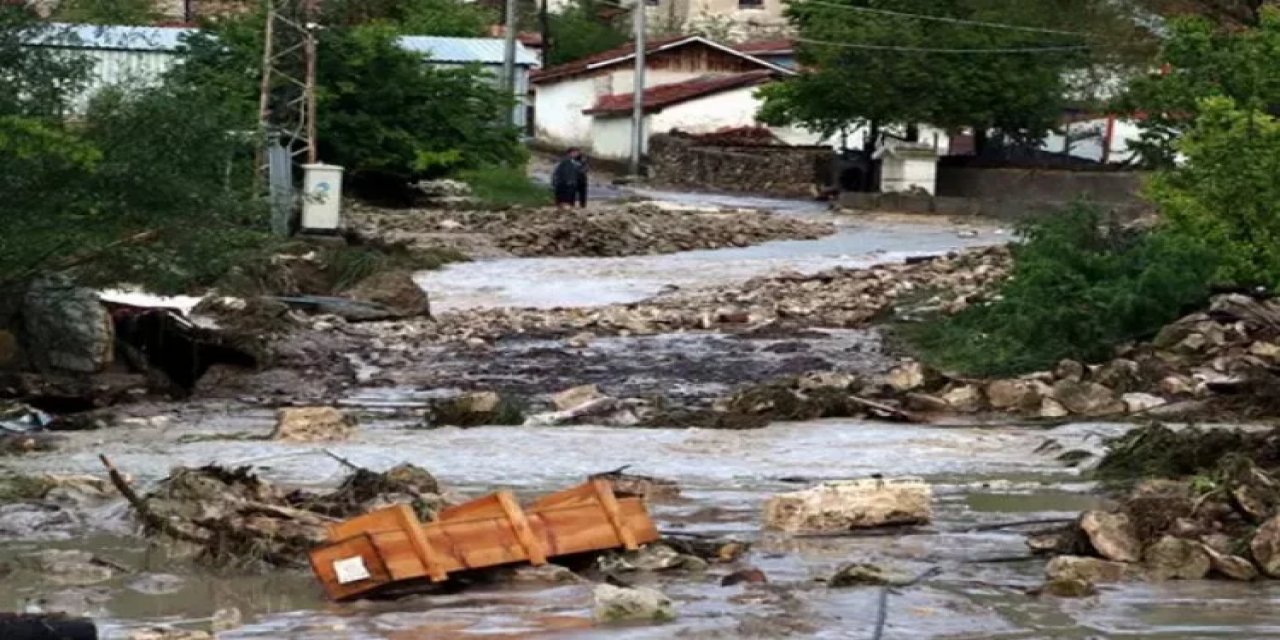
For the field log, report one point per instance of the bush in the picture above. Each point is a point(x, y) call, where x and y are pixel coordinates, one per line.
point(505, 186)
point(1078, 288)
point(1227, 195)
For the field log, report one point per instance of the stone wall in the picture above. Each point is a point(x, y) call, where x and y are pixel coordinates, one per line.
point(775, 170)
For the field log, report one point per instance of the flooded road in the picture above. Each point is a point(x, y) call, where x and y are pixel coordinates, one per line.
point(579, 282)
point(982, 476)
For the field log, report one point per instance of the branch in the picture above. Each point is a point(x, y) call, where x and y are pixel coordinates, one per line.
point(150, 518)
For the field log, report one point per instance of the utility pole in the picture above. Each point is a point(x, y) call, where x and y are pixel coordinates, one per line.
point(637, 92)
point(287, 103)
point(509, 60)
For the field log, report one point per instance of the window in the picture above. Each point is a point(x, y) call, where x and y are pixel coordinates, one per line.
point(750, 4)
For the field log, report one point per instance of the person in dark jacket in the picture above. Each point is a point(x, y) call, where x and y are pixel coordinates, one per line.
point(569, 180)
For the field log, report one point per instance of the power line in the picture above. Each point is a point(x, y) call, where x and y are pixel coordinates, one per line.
point(904, 48)
point(960, 21)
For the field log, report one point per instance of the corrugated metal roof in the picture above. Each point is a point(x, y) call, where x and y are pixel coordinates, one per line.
point(465, 50)
point(120, 38)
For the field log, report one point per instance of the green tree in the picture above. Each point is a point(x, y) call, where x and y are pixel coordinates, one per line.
point(868, 63)
point(581, 29)
point(129, 12)
point(415, 17)
point(1227, 196)
point(1201, 59)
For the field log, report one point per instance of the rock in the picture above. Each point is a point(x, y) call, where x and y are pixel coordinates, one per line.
point(1262, 349)
point(313, 424)
point(858, 574)
point(1093, 570)
point(651, 557)
point(479, 402)
point(621, 604)
point(925, 403)
point(1266, 547)
point(1176, 385)
point(1086, 398)
point(816, 380)
point(1230, 566)
point(225, 620)
point(601, 411)
point(851, 504)
point(1050, 408)
point(443, 188)
point(1014, 395)
point(68, 567)
point(581, 340)
point(394, 289)
point(8, 350)
point(1141, 402)
point(157, 584)
point(545, 574)
point(67, 328)
point(31, 520)
point(744, 576)
point(1174, 558)
point(965, 398)
point(577, 396)
point(474, 409)
point(1112, 535)
point(908, 376)
point(1069, 370)
point(1120, 375)
point(1069, 588)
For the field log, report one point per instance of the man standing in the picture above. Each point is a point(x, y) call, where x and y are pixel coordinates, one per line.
point(580, 163)
point(568, 179)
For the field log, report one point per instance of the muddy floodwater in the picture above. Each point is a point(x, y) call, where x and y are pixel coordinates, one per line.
point(985, 477)
point(982, 476)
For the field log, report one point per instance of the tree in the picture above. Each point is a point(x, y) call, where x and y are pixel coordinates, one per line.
point(870, 63)
point(415, 17)
point(131, 12)
point(582, 29)
point(1201, 59)
point(1226, 13)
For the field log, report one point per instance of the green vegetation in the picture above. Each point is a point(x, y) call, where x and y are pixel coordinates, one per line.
point(1078, 288)
point(582, 29)
point(505, 186)
point(349, 265)
point(1017, 96)
point(107, 11)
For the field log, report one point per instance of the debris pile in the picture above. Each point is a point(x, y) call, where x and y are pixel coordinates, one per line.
point(1206, 504)
point(231, 516)
point(611, 230)
point(1224, 359)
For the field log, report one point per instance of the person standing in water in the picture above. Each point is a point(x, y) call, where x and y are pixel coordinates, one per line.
point(568, 179)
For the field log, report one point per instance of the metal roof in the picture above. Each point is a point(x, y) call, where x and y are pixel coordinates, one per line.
point(466, 50)
point(120, 38)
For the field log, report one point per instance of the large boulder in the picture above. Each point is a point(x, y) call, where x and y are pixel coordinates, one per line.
point(1266, 547)
point(67, 328)
point(1121, 375)
point(1171, 558)
point(1087, 398)
point(908, 376)
point(623, 604)
point(577, 396)
point(1230, 566)
point(851, 504)
point(1112, 535)
point(965, 398)
point(1095, 570)
point(394, 289)
point(1014, 395)
point(313, 424)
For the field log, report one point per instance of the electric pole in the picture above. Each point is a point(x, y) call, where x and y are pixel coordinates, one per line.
point(509, 59)
point(637, 92)
point(287, 103)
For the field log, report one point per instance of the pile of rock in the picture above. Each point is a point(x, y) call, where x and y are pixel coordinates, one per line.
point(231, 516)
point(1229, 351)
point(612, 230)
point(1213, 511)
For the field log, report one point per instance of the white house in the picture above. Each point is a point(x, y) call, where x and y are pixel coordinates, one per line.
point(692, 84)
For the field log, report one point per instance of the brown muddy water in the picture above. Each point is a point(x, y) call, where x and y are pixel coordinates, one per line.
point(982, 476)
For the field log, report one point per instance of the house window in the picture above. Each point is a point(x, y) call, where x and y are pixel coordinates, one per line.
point(651, 3)
point(750, 4)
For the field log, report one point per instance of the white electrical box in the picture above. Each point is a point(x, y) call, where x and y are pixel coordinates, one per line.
point(321, 197)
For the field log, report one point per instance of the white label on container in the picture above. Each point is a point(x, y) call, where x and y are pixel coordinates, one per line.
point(350, 570)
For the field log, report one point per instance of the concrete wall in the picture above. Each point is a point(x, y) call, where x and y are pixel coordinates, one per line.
point(1087, 140)
point(559, 106)
point(114, 68)
point(1039, 185)
point(769, 170)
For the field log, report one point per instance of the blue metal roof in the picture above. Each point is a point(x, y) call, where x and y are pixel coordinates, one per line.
point(121, 38)
point(466, 50)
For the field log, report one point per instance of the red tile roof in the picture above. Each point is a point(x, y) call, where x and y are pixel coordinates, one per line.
point(758, 47)
point(664, 95)
point(621, 53)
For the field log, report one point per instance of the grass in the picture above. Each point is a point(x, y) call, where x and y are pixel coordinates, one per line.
point(347, 266)
point(506, 186)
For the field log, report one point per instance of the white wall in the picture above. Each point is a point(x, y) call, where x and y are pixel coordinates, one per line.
point(558, 110)
point(610, 136)
point(1087, 139)
point(112, 67)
